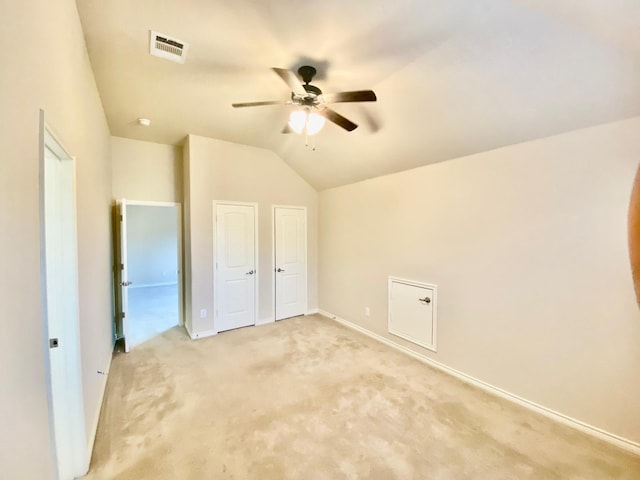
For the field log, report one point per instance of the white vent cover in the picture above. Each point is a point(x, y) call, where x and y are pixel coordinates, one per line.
point(164, 46)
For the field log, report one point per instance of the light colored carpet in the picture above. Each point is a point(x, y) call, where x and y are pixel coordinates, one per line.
point(306, 398)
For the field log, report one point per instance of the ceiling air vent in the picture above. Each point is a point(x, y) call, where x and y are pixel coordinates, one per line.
point(164, 46)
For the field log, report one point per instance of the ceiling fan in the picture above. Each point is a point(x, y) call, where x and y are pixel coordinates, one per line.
point(313, 111)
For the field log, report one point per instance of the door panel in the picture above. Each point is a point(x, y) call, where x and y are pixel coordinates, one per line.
point(123, 284)
point(235, 266)
point(290, 262)
point(61, 312)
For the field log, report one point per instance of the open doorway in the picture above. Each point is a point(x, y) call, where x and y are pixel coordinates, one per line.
point(151, 269)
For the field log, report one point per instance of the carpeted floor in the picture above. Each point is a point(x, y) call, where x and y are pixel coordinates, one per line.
point(306, 398)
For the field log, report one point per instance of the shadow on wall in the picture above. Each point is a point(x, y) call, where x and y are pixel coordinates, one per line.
point(634, 234)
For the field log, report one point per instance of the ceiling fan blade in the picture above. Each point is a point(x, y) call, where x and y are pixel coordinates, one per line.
point(291, 80)
point(338, 119)
point(357, 96)
point(259, 104)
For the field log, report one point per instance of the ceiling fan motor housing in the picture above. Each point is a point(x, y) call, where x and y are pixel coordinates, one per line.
point(312, 89)
point(307, 73)
point(311, 97)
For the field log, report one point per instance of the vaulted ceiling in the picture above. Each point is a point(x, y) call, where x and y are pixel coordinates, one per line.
point(453, 77)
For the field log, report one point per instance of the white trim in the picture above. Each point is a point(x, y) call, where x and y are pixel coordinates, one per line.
point(434, 315)
point(583, 427)
point(94, 429)
point(181, 285)
point(199, 335)
point(151, 285)
point(313, 311)
point(273, 255)
point(256, 214)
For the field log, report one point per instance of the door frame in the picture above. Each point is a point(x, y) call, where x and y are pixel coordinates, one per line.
point(179, 253)
point(273, 257)
point(75, 450)
point(256, 287)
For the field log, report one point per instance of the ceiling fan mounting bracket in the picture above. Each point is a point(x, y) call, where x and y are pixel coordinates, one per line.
point(307, 73)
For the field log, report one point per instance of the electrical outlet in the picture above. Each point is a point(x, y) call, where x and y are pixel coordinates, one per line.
point(203, 313)
point(367, 311)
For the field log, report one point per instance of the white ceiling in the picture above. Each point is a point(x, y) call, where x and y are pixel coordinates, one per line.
point(453, 77)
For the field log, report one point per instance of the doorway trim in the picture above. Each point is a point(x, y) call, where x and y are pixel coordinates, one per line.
point(214, 213)
point(273, 257)
point(69, 407)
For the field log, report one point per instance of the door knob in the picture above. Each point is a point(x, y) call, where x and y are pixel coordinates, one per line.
point(425, 300)
point(279, 270)
point(251, 272)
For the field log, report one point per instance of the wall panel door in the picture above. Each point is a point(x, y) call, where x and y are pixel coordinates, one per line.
point(412, 311)
point(236, 276)
point(290, 245)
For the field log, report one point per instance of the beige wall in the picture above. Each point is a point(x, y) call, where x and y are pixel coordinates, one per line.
point(218, 170)
point(47, 68)
point(152, 245)
point(528, 247)
point(146, 171)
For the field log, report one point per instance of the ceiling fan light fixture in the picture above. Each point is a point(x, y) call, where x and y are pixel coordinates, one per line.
point(298, 120)
point(304, 121)
point(315, 123)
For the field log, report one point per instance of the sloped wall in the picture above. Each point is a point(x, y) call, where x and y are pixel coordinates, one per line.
point(528, 247)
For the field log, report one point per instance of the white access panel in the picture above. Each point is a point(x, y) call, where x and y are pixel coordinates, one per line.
point(412, 311)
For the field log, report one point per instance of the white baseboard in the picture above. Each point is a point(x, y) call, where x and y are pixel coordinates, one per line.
point(596, 432)
point(96, 417)
point(265, 321)
point(313, 311)
point(199, 335)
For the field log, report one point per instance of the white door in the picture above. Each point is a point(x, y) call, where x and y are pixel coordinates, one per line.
point(61, 311)
point(236, 276)
point(290, 226)
point(123, 280)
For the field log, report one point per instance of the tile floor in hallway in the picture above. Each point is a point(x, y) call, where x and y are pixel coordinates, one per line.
point(152, 310)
